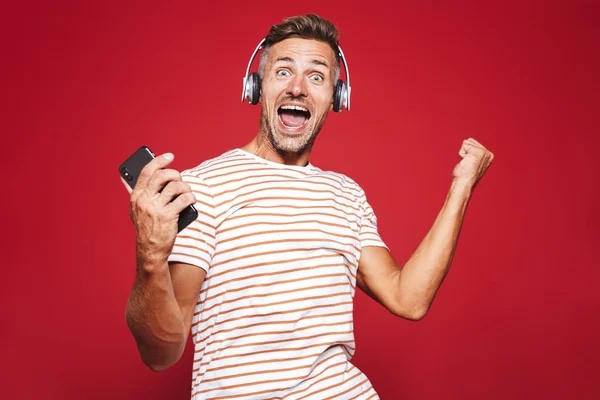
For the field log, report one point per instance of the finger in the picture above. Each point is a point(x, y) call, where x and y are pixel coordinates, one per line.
point(161, 178)
point(476, 143)
point(172, 190)
point(465, 149)
point(149, 169)
point(181, 202)
point(126, 185)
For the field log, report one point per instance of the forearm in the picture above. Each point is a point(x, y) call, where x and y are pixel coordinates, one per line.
point(154, 317)
point(424, 272)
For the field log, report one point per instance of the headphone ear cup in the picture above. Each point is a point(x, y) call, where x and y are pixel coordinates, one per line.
point(254, 88)
point(338, 101)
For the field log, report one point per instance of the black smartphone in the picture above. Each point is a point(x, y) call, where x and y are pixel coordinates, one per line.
point(130, 171)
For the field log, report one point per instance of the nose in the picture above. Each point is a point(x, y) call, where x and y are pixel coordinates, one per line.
point(297, 86)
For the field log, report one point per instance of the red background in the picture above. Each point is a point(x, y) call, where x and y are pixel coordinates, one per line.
point(85, 84)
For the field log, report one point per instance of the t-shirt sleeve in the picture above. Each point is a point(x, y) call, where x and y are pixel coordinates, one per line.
point(368, 235)
point(196, 243)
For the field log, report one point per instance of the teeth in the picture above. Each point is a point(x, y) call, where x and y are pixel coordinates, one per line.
point(294, 108)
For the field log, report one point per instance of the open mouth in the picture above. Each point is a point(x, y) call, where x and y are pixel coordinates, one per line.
point(293, 116)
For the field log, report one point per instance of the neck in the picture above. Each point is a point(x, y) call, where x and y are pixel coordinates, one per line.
point(263, 148)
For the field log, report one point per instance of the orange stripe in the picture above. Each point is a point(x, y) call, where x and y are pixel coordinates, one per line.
point(261, 232)
point(317, 381)
point(292, 181)
point(282, 223)
point(273, 360)
point(187, 246)
point(221, 313)
point(206, 164)
point(196, 181)
point(365, 392)
point(234, 158)
point(195, 239)
point(202, 202)
point(231, 204)
point(270, 360)
point(203, 231)
point(266, 295)
point(212, 286)
point(239, 385)
point(309, 212)
point(220, 378)
point(371, 231)
point(292, 331)
point(287, 241)
point(332, 386)
point(346, 343)
point(206, 214)
point(295, 330)
point(348, 390)
point(231, 157)
point(268, 253)
point(275, 284)
point(262, 391)
point(236, 165)
point(277, 313)
point(222, 159)
point(174, 253)
point(264, 264)
point(269, 351)
point(346, 188)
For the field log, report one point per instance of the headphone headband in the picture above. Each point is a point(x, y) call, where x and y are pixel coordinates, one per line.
point(341, 95)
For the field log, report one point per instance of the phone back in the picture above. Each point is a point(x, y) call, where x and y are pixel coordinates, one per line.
point(131, 168)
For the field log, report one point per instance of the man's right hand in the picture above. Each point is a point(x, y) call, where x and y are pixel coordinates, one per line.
point(156, 201)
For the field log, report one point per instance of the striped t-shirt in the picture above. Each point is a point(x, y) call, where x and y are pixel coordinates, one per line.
point(280, 245)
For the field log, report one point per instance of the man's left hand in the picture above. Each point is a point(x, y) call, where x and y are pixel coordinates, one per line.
point(476, 159)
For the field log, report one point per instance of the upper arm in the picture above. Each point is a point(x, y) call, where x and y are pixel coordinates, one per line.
point(187, 280)
point(379, 277)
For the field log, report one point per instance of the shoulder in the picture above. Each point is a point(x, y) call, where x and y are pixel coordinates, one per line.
point(344, 181)
point(212, 165)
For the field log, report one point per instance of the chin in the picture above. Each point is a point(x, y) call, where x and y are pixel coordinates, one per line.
point(294, 143)
point(290, 142)
point(285, 143)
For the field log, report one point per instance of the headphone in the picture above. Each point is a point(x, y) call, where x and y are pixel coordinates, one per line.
point(341, 95)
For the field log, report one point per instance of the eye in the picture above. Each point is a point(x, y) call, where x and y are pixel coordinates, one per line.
point(317, 78)
point(283, 72)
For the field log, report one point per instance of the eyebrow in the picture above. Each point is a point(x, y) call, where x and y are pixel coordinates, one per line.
point(314, 61)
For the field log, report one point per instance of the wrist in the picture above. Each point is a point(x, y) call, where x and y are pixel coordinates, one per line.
point(463, 186)
point(151, 262)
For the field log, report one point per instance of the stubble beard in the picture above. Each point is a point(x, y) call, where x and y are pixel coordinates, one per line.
point(286, 144)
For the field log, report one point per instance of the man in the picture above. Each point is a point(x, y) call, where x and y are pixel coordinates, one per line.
point(265, 277)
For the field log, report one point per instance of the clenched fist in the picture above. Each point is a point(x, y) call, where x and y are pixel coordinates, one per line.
point(156, 201)
point(476, 159)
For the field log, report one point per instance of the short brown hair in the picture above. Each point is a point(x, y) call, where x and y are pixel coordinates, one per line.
point(309, 26)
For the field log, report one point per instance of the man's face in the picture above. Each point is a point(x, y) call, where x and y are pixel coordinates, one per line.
point(297, 92)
